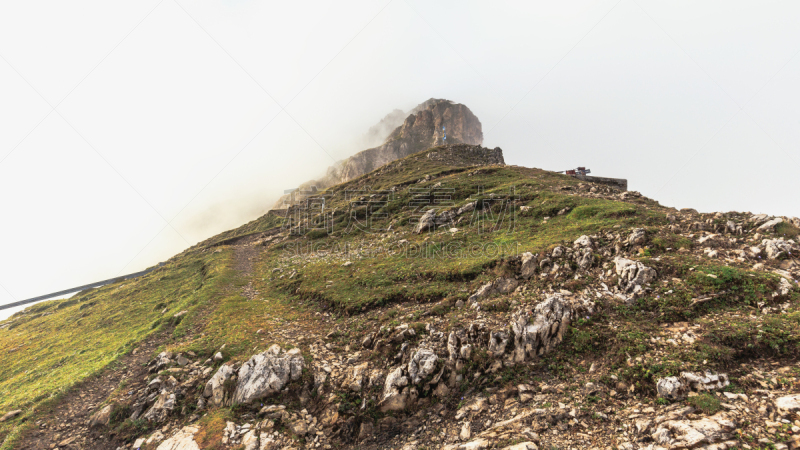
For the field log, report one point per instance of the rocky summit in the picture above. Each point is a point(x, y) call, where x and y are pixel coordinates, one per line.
point(441, 299)
point(423, 128)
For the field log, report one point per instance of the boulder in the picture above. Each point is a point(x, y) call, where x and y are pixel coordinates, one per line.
point(10, 415)
point(498, 286)
point(428, 220)
point(522, 446)
point(788, 403)
point(161, 361)
point(583, 241)
point(584, 258)
point(537, 332)
point(633, 274)
point(182, 440)
point(693, 433)
point(250, 440)
point(421, 365)
point(218, 389)
point(776, 248)
point(393, 398)
point(355, 379)
point(163, 406)
point(529, 263)
point(676, 388)
point(100, 418)
point(637, 237)
point(769, 225)
point(267, 373)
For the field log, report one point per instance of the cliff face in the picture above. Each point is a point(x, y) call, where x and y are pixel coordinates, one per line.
point(420, 130)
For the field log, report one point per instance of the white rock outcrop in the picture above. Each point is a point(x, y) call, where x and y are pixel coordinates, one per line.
point(163, 406)
point(217, 390)
point(676, 388)
point(693, 433)
point(498, 286)
point(182, 440)
point(422, 364)
point(428, 220)
point(776, 248)
point(267, 373)
point(537, 332)
point(393, 398)
point(529, 265)
point(633, 275)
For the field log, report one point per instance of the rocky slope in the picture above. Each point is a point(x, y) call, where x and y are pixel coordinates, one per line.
point(421, 129)
point(454, 302)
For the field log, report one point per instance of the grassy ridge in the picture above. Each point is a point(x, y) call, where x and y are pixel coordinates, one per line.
point(54, 345)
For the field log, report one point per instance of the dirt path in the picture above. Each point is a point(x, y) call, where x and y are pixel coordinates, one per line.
point(66, 425)
point(245, 257)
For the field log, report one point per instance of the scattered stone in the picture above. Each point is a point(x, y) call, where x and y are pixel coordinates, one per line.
point(101, 418)
point(10, 415)
point(676, 388)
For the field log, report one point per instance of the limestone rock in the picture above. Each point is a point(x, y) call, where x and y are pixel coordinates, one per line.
point(633, 274)
point(537, 332)
point(638, 236)
point(692, 433)
point(584, 241)
point(355, 380)
point(776, 248)
point(498, 286)
point(217, 390)
point(182, 440)
point(393, 397)
point(788, 403)
point(163, 406)
point(101, 418)
point(427, 221)
point(267, 373)
point(421, 365)
point(770, 224)
point(676, 388)
point(10, 415)
point(250, 440)
point(522, 446)
point(529, 264)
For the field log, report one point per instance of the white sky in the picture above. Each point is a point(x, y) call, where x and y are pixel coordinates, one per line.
point(175, 120)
